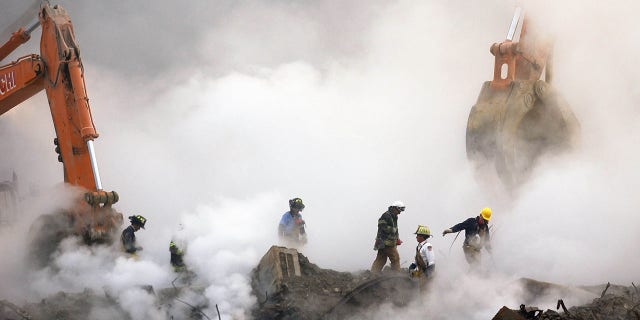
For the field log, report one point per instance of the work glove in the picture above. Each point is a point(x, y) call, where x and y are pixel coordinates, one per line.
point(446, 231)
point(413, 266)
point(378, 245)
point(398, 242)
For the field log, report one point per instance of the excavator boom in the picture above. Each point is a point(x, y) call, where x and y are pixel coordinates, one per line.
point(59, 72)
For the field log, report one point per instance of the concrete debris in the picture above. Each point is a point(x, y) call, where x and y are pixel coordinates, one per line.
point(620, 303)
point(321, 293)
point(288, 286)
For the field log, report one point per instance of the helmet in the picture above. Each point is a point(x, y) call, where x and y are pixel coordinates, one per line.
point(486, 214)
point(423, 231)
point(398, 204)
point(296, 203)
point(138, 219)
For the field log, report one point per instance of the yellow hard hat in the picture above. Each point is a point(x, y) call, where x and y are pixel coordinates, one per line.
point(486, 214)
point(423, 230)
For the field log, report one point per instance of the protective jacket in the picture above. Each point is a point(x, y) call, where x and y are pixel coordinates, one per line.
point(291, 226)
point(387, 231)
point(476, 235)
point(176, 256)
point(424, 254)
point(128, 238)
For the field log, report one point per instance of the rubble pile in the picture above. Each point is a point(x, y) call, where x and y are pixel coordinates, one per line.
point(288, 286)
point(618, 303)
point(317, 293)
point(305, 297)
point(68, 306)
point(101, 305)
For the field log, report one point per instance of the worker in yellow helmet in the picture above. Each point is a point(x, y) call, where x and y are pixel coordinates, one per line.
point(476, 231)
point(425, 260)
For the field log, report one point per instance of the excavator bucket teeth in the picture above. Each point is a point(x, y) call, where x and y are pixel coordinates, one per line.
point(512, 127)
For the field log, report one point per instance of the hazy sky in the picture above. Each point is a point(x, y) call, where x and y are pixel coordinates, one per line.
point(215, 113)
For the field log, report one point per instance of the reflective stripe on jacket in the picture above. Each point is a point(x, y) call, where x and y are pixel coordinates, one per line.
point(388, 229)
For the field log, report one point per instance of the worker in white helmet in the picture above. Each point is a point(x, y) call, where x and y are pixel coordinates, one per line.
point(388, 239)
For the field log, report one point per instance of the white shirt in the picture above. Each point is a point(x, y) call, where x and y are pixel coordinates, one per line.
point(426, 251)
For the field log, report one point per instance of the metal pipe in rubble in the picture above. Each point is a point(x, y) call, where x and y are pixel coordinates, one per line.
point(514, 24)
point(94, 164)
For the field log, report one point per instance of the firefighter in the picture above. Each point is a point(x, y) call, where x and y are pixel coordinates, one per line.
point(291, 228)
point(476, 231)
point(425, 262)
point(128, 236)
point(387, 239)
point(176, 250)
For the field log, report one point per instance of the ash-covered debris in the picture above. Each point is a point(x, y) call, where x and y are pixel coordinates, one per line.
point(9, 310)
point(307, 296)
point(170, 303)
point(318, 293)
point(615, 302)
point(68, 306)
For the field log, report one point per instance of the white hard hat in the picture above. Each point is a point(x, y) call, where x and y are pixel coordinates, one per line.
point(397, 204)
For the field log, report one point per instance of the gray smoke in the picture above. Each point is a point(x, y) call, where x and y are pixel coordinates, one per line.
point(349, 106)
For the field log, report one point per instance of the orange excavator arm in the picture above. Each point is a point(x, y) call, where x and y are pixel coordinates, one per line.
point(523, 60)
point(19, 81)
point(59, 72)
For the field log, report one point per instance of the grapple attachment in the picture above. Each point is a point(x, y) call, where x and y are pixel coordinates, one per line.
point(518, 117)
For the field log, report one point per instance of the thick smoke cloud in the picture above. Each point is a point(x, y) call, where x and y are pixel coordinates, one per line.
point(350, 106)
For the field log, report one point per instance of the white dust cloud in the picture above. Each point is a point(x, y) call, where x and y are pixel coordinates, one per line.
point(220, 142)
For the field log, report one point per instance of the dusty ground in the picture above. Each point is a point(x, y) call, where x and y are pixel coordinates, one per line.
point(615, 303)
point(323, 294)
point(327, 294)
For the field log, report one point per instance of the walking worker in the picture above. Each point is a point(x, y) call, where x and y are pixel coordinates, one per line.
point(128, 236)
point(477, 236)
point(388, 239)
point(291, 228)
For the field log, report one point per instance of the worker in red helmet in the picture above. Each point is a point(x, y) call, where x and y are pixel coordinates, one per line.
point(388, 239)
point(128, 236)
point(291, 229)
point(476, 232)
